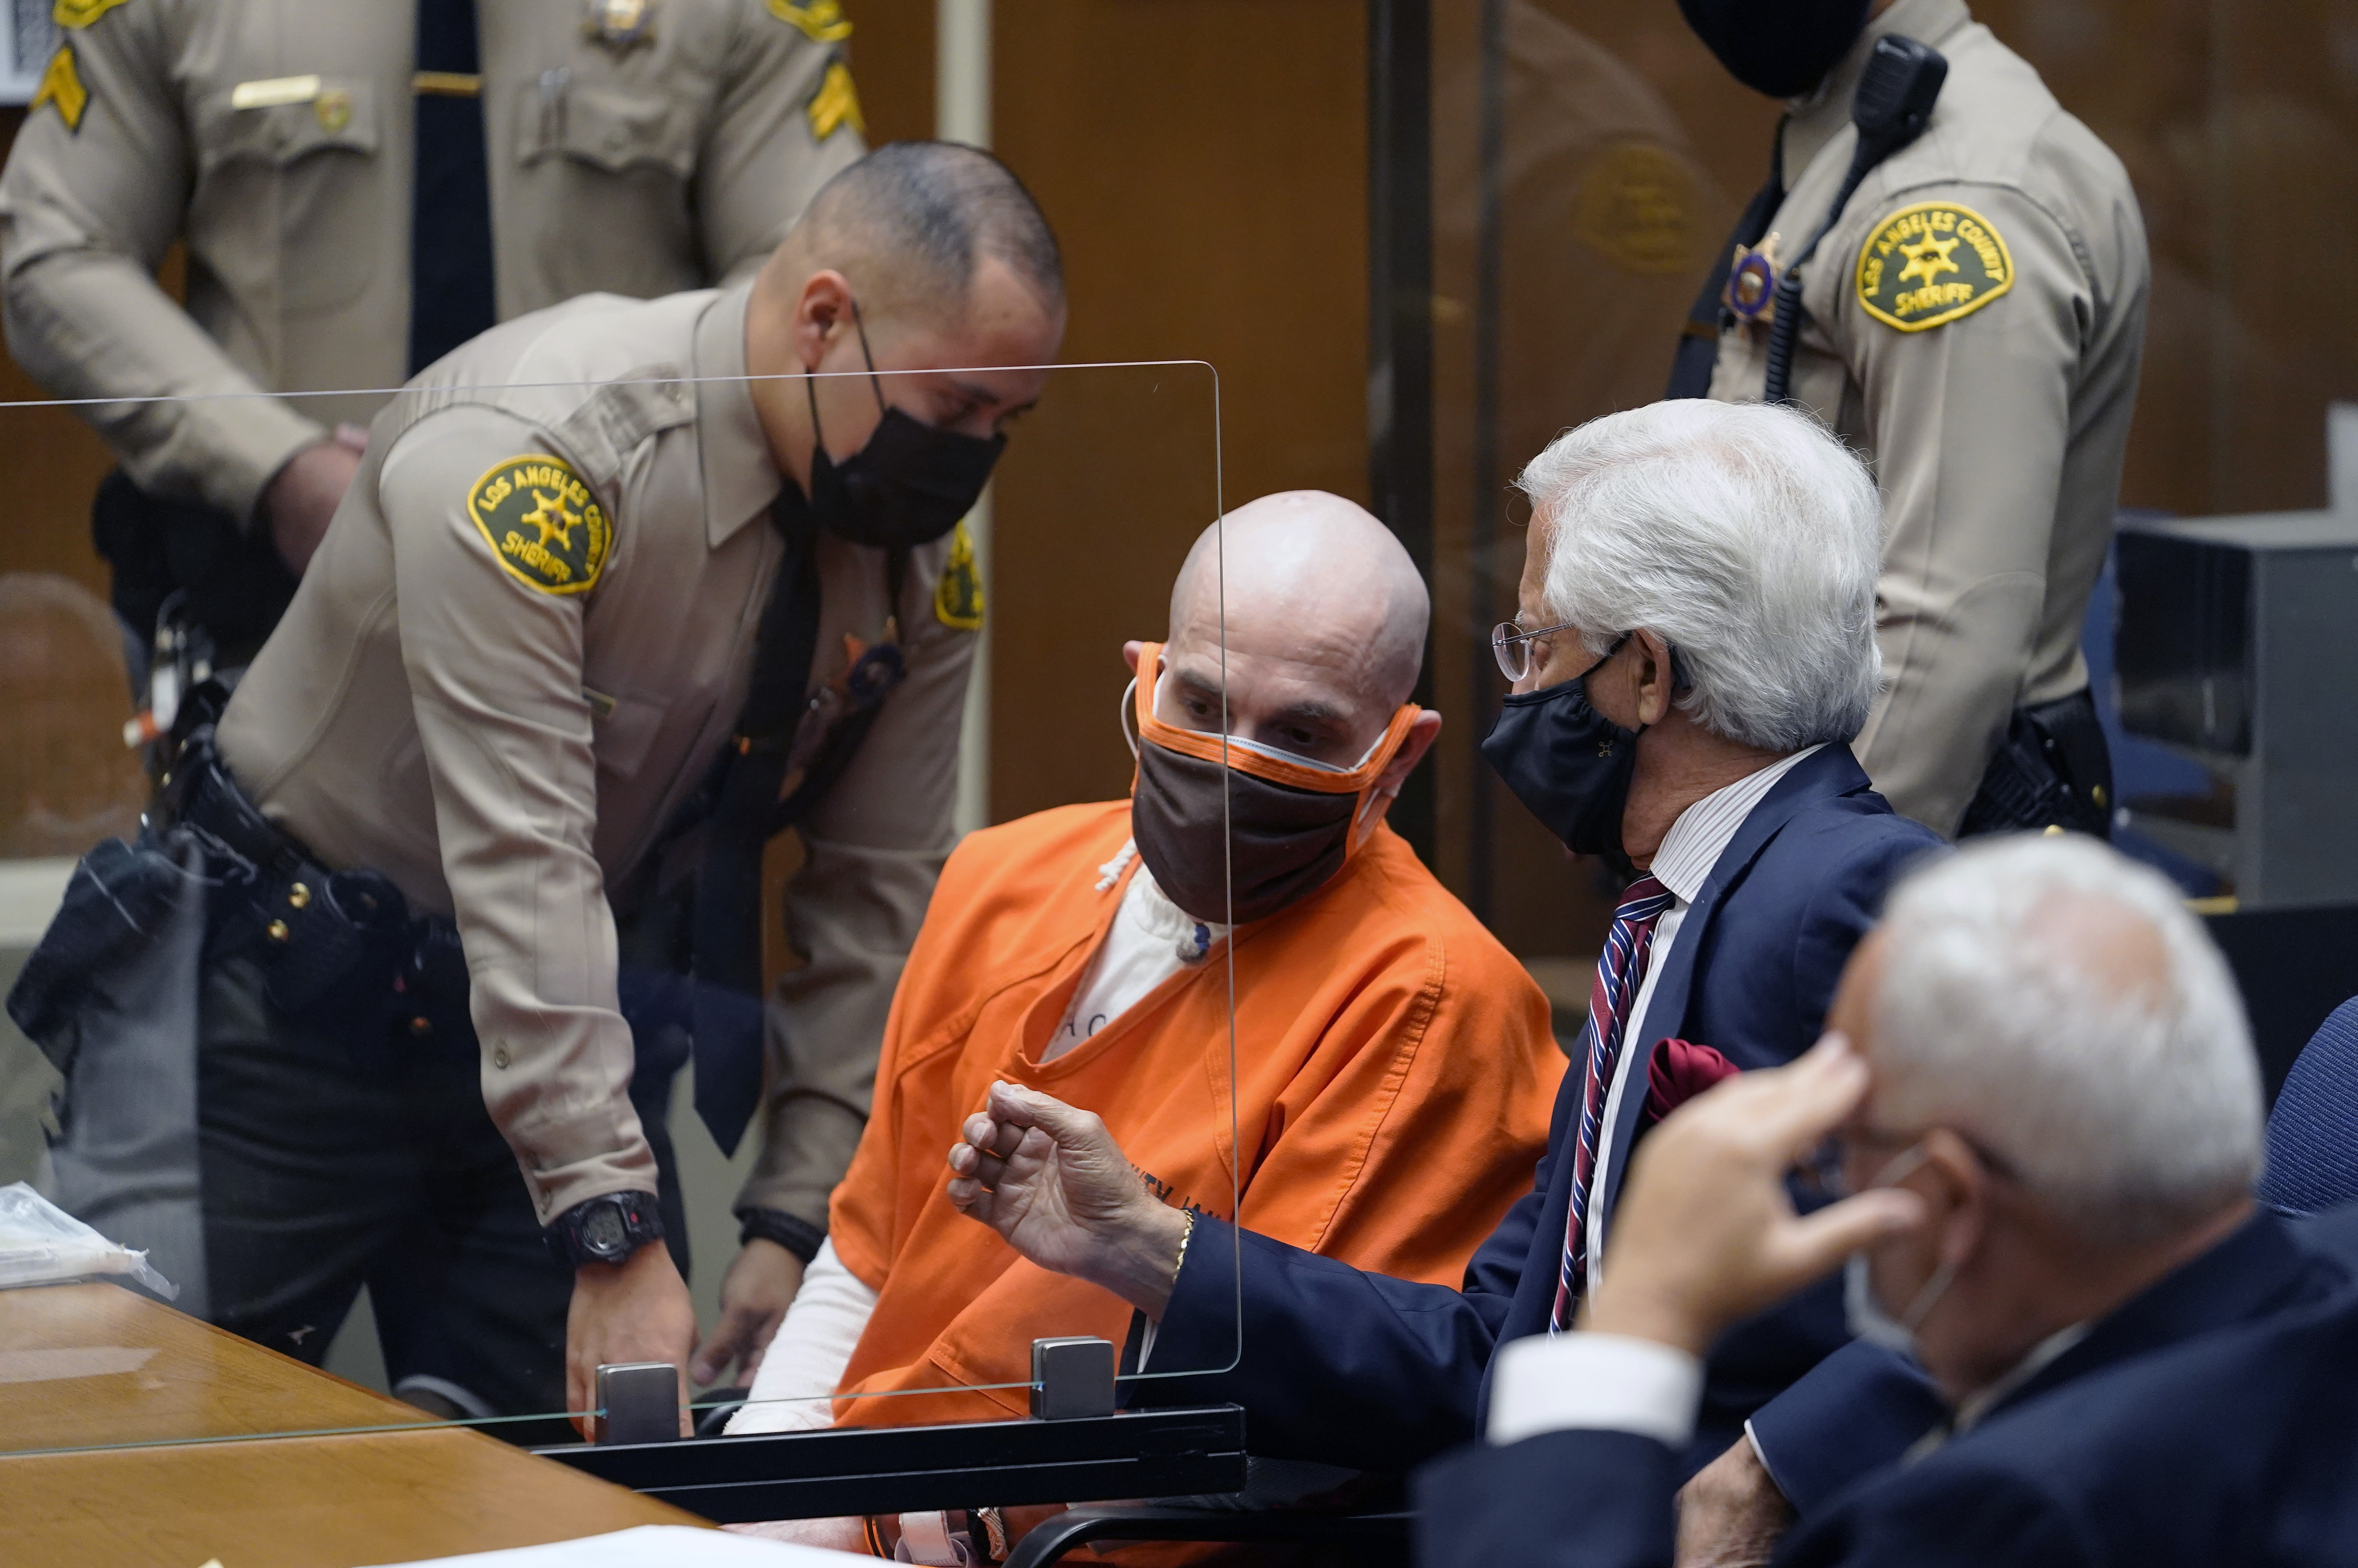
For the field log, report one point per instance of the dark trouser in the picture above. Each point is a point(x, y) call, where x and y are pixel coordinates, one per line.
point(330, 1160)
point(2053, 770)
point(229, 579)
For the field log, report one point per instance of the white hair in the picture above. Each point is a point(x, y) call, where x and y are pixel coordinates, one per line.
point(2130, 1104)
point(1744, 535)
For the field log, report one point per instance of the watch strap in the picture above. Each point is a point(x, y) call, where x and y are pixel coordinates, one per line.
point(796, 1234)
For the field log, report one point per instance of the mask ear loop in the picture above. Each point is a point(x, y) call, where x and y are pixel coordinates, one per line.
point(810, 381)
point(1128, 726)
point(860, 326)
point(1898, 1169)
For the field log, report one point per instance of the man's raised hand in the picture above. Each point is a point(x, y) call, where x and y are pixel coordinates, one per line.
point(1705, 1233)
point(1053, 1183)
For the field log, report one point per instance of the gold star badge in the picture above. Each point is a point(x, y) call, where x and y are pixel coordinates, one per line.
point(544, 526)
point(1950, 262)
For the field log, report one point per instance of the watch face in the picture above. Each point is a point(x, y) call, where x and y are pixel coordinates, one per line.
point(603, 1229)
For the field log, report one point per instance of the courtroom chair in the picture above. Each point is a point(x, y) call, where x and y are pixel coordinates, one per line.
point(1367, 1541)
point(2312, 1149)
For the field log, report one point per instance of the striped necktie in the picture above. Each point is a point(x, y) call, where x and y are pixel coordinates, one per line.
point(1621, 969)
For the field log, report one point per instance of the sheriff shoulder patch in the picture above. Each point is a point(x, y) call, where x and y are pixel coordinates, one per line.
point(1926, 265)
point(835, 105)
point(822, 21)
point(61, 89)
point(81, 13)
point(548, 530)
point(957, 598)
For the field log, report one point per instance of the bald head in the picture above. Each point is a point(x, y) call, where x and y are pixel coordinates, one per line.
point(1314, 571)
point(912, 225)
point(2056, 1003)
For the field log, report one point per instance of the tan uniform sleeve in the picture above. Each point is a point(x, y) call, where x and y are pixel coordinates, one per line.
point(764, 157)
point(88, 206)
point(1969, 423)
point(494, 668)
point(874, 846)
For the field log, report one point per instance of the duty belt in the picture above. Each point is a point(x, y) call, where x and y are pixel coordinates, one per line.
point(327, 940)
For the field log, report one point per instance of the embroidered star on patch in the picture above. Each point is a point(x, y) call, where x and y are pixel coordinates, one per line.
point(1929, 263)
point(545, 528)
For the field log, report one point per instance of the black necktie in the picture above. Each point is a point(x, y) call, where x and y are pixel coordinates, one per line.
point(1698, 348)
point(451, 293)
point(727, 927)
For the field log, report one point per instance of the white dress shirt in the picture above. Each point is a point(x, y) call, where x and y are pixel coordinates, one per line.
point(1690, 852)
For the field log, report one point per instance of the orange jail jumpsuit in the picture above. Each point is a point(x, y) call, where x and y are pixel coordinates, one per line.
point(1392, 1080)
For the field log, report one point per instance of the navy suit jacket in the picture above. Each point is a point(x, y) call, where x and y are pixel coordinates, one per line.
point(2211, 1421)
point(1377, 1373)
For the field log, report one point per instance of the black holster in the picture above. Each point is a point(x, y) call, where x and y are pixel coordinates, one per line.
point(2053, 770)
point(331, 944)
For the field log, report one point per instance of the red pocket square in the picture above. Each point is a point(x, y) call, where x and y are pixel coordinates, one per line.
point(1679, 1071)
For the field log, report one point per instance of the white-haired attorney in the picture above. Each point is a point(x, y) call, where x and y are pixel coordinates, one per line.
point(2046, 1098)
point(1694, 649)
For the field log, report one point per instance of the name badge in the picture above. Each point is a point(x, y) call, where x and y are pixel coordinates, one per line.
point(273, 91)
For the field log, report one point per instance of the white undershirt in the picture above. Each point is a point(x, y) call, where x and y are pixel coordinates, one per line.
point(805, 1361)
point(1150, 939)
point(1690, 852)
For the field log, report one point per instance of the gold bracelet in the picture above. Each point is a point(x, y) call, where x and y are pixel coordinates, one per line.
point(1185, 1237)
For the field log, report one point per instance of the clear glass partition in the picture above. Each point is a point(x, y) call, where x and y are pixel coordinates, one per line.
point(1104, 487)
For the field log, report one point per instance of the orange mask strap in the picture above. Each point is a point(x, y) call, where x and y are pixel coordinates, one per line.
point(1211, 748)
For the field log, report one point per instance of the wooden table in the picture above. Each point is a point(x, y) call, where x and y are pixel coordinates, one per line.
point(194, 1475)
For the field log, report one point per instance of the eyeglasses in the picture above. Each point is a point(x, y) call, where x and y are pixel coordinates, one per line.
point(1512, 645)
point(1821, 1173)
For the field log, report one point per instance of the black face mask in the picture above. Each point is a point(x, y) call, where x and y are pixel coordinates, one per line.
point(1782, 47)
point(1280, 844)
point(1565, 762)
point(908, 486)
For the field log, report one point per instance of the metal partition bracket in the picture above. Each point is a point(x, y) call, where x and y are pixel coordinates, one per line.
point(1071, 1378)
point(638, 1402)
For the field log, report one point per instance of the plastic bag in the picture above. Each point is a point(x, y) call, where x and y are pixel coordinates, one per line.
point(41, 1244)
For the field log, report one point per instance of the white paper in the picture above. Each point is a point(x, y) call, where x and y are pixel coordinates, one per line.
point(654, 1546)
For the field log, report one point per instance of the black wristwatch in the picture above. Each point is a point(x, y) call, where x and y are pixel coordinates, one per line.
point(604, 1229)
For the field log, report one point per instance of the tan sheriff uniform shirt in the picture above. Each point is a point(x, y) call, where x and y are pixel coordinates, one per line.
point(277, 138)
point(527, 636)
point(1974, 323)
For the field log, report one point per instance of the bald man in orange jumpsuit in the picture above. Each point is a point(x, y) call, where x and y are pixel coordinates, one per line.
point(1393, 1068)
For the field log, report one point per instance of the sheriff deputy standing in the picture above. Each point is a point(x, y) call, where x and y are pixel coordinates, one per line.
point(1973, 322)
point(585, 561)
